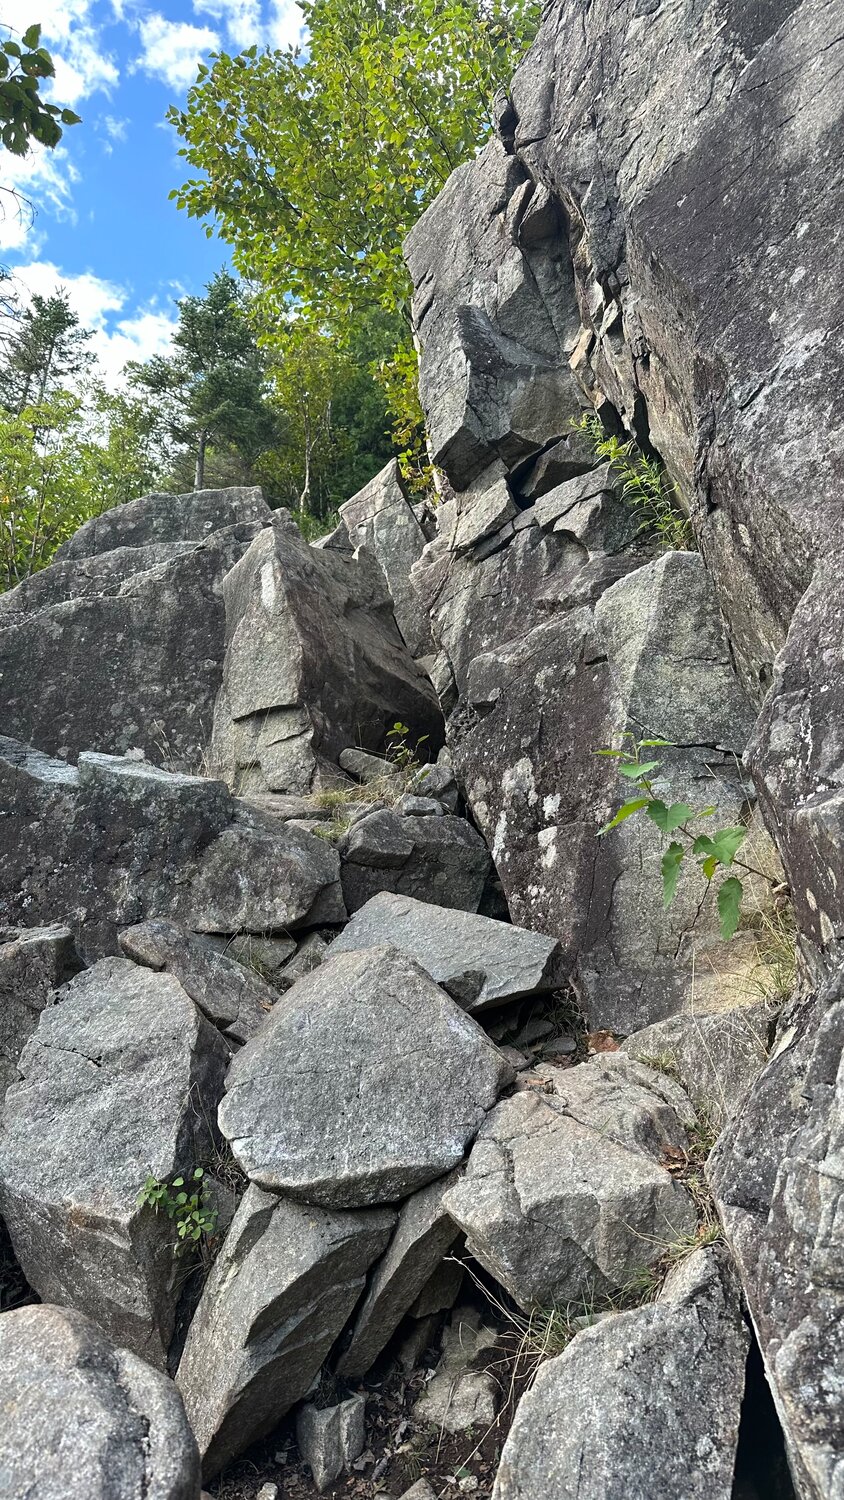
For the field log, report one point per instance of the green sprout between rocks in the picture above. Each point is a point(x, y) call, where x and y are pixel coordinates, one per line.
point(713, 851)
point(185, 1203)
point(643, 484)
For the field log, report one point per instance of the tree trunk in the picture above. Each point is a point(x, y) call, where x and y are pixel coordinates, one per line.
point(199, 472)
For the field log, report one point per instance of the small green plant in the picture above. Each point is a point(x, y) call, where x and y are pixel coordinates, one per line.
point(712, 851)
point(399, 749)
point(185, 1203)
point(643, 484)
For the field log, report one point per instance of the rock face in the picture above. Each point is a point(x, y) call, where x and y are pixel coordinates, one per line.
point(314, 663)
point(437, 860)
point(478, 961)
point(114, 842)
point(366, 1083)
point(715, 1057)
point(34, 961)
point(81, 1417)
point(543, 1221)
point(777, 1182)
point(584, 1430)
point(125, 633)
point(120, 1080)
point(381, 519)
point(280, 1291)
point(235, 998)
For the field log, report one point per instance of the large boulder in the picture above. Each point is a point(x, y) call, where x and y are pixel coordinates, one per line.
point(117, 841)
point(121, 1080)
point(644, 1405)
point(82, 1417)
point(125, 633)
point(34, 962)
point(235, 998)
point(438, 860)
point(277, 1298)
point(381, 518)
point(558, 1202)
point(314, 663)
point(364, 1084)
point(776, 1175)
point(478, 961)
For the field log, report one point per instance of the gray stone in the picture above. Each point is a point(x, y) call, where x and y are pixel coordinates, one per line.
point(421, 1490)
point(423, 1236)
point(776, 1177)
point(461, 1396)
point(436, 860)
point(716, 1056)
point(103, 573)
point(483, 509)
point(381, 518)
point(623, 1100)
point(235, 999)
point(280, 1290)
point(410, 806)
point(331, 1438)
point(586, 1429)
point(437, 781)
point(367, 767)
point(166, 518)
point(308, 956)
point(34, 961)
point(545, 1223)
point(365, 1084)
point(478, 961)
point(134, 665)
point(566, 459)
point(265, 956)
point(314, 663)
point(82, 1417)
point(120, 1080)
point(440, 1291)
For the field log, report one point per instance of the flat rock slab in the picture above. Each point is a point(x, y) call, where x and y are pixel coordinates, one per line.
point(644, 1405)
point(276, 1300)
point(557, 1210)
point(438, 860)
point(424, 1234)
point(235, 998)
point(79, 1416)
point(34, 961)
point(366, 1083)
point(478, 961)
point(120, 1080)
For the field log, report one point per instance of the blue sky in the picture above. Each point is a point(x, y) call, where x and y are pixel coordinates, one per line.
point(104, 227)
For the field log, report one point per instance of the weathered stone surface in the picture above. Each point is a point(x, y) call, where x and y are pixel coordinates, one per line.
point(366, 1083)
point(235, 998)
point(497, 319)
point(639, 1107)
point(81, 1417)
point(424, 1234)
point(34, 961)
point(314, 663)
point(545, 1222)
point(437, 781)
point(120, 1080)
point(461, 1395)
point(478, 961)
point(440, 1291)
point(776, 1175)
point(118, 841)
point(278, 1295)
point(330, 1438)
point(366, 767)
point(435, 860)
point(134, 664)
point(586, 1428)
point(381, 518)
point(716, 1056)
point(166, 518)
point(102, 573)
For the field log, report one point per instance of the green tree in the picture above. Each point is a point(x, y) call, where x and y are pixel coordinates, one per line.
point(45, 350)
point(24, 116)
point(212, 391)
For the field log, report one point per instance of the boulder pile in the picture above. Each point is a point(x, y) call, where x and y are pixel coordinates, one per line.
point(377, 1121)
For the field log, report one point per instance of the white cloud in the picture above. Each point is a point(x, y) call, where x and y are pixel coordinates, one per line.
point(73, 37)
point(241, 19)
point(114, 128)
point(139, 335)
point(44, 178)
point(287, 24)
point(173, 50)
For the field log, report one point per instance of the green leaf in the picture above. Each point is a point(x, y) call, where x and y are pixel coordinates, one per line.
point(709, 866)
point(729, 906)
point(625, 811)
point(670, 866)
point(616, 754)
point(669, 818)
point(727, 842)
point(32, 36)
point(634, 771)
point(703, 845)
point(69, 118)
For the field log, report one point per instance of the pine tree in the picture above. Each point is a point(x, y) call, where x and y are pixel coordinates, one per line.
point(45, 350)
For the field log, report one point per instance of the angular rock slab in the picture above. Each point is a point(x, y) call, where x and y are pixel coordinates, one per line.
point(381, 518)
point(34, 961)
point(79, 1416)
point(556, 1210)
point(478, 961)
point(777, 1179)
point(365, 1084)
point(314, 663)
point(439, 860)
point(276, 1300)
point(643, 1405)
point(121, 1079)
point(330, 1438)
point(424, 1234)
point(235, 998)
point(166, 518)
